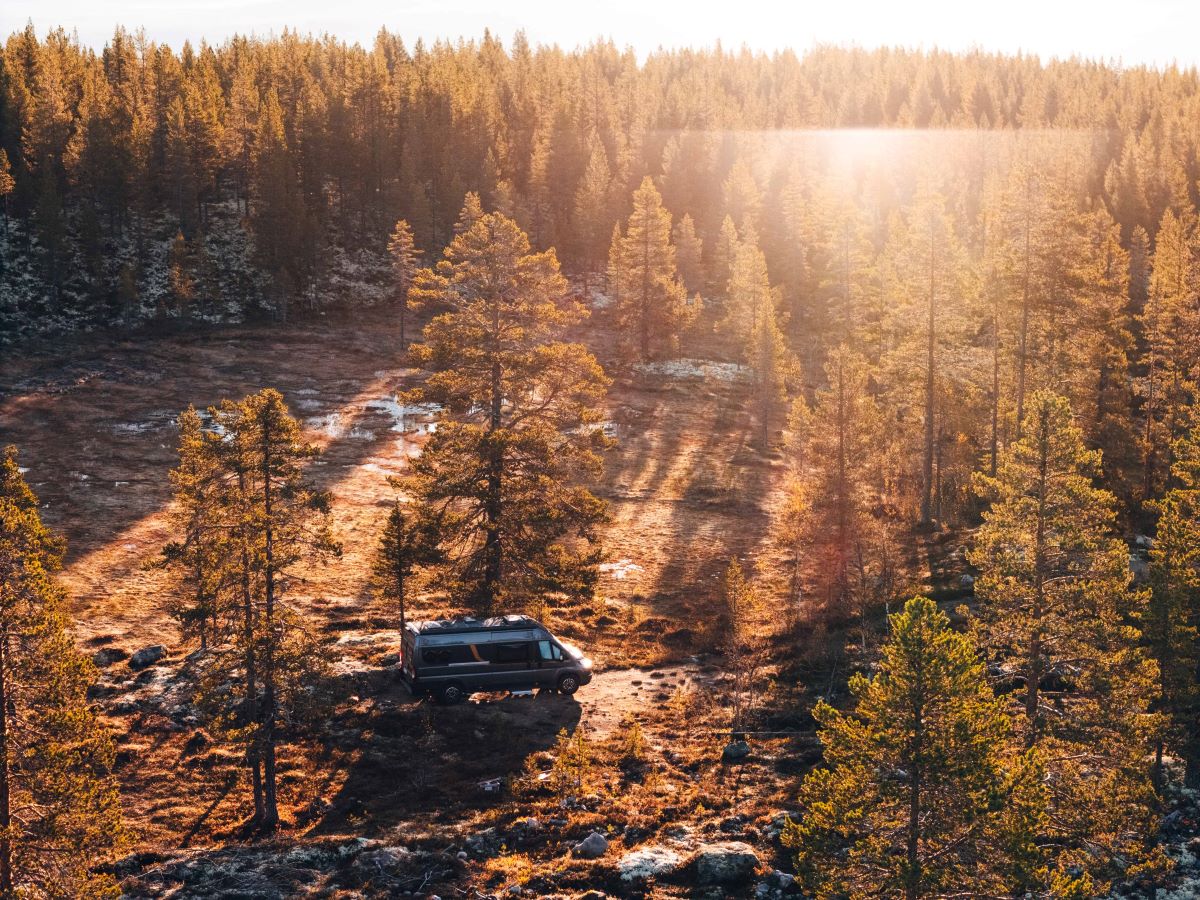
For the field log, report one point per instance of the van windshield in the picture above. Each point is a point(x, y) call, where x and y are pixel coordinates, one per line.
point(571, 649)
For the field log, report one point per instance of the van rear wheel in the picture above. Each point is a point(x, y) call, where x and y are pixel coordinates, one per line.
point(452, 693)
point(568, 684)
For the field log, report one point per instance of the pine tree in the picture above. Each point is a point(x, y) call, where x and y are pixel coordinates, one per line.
point(772, 365)
point(407, 543)
point(1171, 323)
point(747, 294)
point(1172, 622)
point(471, 212)
point(911, 799)
point(689, 251)
point(649, 295)
point(1054, 615)
point(59, 808)
point(405, 259)
point(502, 473)
point(740, 604)
point(723, 256)
point(199, 557)
point(7, 186)
point(927, 272)
point(179, 276)
point(280, 219)
point(591, 209)
point(839, 449)
point(274, 518)
point(743, 200)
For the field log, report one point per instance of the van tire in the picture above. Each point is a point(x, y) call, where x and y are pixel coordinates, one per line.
point(451, 693)
point(568, 684)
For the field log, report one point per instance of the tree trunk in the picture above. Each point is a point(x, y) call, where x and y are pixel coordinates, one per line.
point(1034, 666)
point(994, 448)
point(930, 354)
point(493, 505)
point(253, 755)
point(1023, 342)
point(6, 869)
point(270, 818)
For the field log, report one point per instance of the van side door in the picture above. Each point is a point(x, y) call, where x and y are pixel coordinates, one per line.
point(549, 661)
point(510, 669)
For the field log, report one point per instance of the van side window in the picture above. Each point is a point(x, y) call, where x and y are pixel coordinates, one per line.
point(548, 650)
point(435, 656)
point(511, 653)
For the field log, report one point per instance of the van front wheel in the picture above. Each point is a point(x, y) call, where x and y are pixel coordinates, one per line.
point(451, 694)
point(568, 684)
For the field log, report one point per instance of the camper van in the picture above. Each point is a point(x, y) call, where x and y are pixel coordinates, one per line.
point(450, 659)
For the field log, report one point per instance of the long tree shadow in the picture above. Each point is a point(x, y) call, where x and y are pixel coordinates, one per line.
point(423, 760)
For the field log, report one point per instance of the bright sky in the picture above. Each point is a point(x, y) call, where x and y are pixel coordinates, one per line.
point(1132, 31)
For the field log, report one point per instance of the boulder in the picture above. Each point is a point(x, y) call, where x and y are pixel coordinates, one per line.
point(147, 657)
point(483, 845)
point(389, 860)
point(651, 861)
point(966, 581)
point(593, 846)
point(724, 863)
point(106, 656)
point(592, 895)
point(735, 751)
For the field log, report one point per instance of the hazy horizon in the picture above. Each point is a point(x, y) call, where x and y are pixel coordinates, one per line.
point(1157, 34)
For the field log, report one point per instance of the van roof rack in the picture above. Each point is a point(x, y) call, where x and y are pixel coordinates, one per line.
point(471, 623)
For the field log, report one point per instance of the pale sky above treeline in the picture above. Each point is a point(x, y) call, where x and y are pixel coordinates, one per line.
point(1154, 32)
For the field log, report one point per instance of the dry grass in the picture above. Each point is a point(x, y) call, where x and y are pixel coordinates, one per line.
point(687, 491)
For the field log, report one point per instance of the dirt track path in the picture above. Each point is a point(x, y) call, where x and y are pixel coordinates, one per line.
point(616, 693)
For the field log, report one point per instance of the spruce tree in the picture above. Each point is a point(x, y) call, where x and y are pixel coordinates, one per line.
point(838, 452)
point(1056, 617)
point(1171, 324)
point(911, 799)
point(689, 250)
point(7, 185)
point(723, 256)
point(772, 365)
point(407, 543)
point(591, 217)
point(650, 298)
point(199, 558)
point(1172, 623)
point(503, 474)
point(749, 295)
point(59, 809)
point(405, 258)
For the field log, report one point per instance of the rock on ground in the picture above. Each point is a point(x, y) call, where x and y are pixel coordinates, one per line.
point(147, 657)
point(735, 751)
point(727, 862)
point(648, 862)
point(593, 846)
point(107, 656)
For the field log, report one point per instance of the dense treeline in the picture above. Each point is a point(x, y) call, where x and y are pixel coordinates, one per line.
point(244, 179)
point(984, 315)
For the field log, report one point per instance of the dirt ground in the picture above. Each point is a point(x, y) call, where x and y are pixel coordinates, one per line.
point(687, 490)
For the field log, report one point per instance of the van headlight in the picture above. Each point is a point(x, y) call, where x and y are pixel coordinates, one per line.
point(586, 663)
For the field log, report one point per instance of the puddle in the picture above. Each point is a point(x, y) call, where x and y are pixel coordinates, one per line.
point(409, 418)
point(332, 426)
point(620, 570)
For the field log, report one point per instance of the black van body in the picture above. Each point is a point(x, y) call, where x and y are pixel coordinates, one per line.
point(452, 658)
